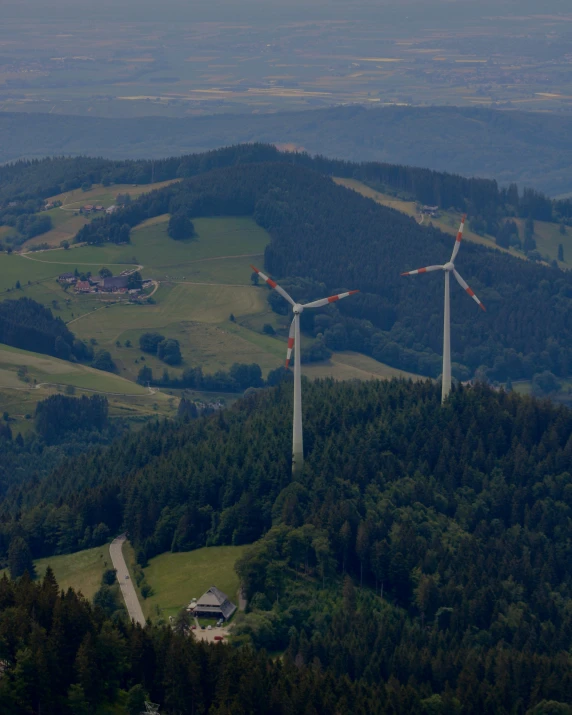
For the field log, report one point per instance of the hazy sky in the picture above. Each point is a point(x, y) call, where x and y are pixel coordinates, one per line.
point(251, 10)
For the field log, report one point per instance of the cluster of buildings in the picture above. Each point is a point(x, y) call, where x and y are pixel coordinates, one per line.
point(110, 284)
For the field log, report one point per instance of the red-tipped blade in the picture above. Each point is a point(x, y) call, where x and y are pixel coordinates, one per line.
point(427, 269)
point(331, 299)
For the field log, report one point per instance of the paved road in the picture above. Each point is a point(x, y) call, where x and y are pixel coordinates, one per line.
point(127, 587)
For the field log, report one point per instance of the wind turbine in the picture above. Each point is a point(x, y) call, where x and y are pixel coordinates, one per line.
point(449, 268)
point(294, 342)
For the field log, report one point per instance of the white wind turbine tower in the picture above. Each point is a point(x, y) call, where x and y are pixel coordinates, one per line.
point(294, 342)
point(449, 268)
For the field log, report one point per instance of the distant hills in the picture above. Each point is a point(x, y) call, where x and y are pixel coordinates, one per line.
point(531, 148)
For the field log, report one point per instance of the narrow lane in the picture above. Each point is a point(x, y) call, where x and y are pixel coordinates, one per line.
point(127, 587)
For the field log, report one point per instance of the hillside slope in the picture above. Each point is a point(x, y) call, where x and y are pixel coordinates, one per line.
point(327, 237)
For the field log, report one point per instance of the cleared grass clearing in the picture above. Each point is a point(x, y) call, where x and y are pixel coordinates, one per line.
point(177, 578)
point(106, 195)
point(44, 368)
point(48, 376)
point(66, 225)
point(548, 237)
point(348, 365)
point(81, 571)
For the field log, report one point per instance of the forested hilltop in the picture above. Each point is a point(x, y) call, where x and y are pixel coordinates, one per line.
point(28, 181)
point(452, 524)
point(325, 237)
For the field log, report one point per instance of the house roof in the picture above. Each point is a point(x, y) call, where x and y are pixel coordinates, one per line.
point(114, 282)
point(215, 599)
point(83, 285)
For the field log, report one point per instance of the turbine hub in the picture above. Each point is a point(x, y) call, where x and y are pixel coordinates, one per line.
point(449, 266)
point(298, 309)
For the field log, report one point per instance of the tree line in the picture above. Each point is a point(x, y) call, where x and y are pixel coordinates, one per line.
point(482, 198)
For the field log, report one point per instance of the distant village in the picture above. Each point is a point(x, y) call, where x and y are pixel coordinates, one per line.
point(122, 283)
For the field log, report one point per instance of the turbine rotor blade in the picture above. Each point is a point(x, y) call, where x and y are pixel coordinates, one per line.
point(458, 239)
point(274, 285)
point(290, 342)
point(466, 288)
point(331, 299)
point(428, 269)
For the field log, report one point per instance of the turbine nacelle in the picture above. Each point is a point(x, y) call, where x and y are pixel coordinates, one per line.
point(449, 266)
point(297, 308)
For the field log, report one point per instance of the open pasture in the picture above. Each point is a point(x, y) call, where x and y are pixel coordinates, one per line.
point(177, 578)
point(348, 365)
point(45, 376)
point(106, 195)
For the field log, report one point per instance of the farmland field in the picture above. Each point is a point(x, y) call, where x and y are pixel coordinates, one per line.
point(201, 283)
point(176, 578)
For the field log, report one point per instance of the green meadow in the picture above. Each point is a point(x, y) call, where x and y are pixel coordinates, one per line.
point(177, 578)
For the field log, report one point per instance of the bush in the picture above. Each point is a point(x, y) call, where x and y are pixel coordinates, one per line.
point(149, 342)
point(103, 361)
point(180, 227)
point(109, 577)
point(169, 351)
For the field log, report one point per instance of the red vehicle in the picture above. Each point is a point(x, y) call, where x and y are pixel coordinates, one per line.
point(218, 638)
point(193, 628)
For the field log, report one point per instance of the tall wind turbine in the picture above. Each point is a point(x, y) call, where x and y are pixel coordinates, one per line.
point(449, 268)
point(294, 342)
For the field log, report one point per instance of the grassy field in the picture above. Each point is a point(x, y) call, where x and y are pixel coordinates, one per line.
point(81, 571)
point(201, 283)
point(176, 578)
point(348, 365)
point(46, 375)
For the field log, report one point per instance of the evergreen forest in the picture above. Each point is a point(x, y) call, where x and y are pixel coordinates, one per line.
point(421, 562)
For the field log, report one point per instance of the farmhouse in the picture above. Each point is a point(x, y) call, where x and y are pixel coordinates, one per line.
point(67, 278)
point(114, 283)
point(213, 604)
point(83, 287)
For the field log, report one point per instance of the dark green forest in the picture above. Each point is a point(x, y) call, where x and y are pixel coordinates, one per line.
point(325, 237)
point(59, 654)
point(450, 526)
point(28, 325)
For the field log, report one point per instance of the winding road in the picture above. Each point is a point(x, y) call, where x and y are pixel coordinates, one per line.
point(127, 588)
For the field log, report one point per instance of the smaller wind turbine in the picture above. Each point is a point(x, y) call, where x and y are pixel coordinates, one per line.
point(449, 268)
point(294, 342)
